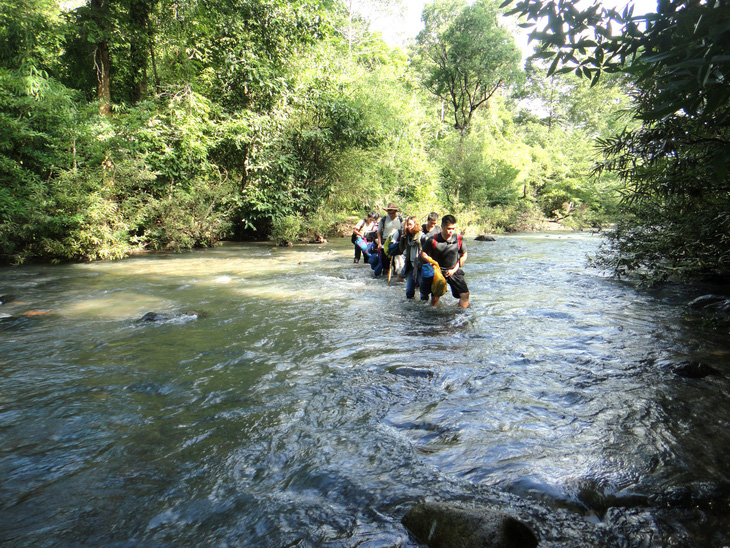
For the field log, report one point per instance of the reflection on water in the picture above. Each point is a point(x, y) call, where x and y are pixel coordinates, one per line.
point(284, 397)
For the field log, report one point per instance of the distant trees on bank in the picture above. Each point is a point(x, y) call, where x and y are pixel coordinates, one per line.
point(148, 125)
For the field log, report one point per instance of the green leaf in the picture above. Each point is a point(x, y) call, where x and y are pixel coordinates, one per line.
point(553, 65)
point(661, 110)
point(596, 77)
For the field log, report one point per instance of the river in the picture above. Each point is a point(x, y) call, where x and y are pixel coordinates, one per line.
point(284, 397)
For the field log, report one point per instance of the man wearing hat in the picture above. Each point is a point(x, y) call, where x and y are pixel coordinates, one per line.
point(390, 223)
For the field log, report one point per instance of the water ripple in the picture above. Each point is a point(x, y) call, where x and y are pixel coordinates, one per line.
point(310, 404)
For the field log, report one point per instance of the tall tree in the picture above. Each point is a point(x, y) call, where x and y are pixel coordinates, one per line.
point(354, 26)
point(246, 45)
point(466, 56)
point(140, 45)
point(102, 60)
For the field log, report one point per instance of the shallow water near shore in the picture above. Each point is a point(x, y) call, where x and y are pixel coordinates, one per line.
point(284, 397)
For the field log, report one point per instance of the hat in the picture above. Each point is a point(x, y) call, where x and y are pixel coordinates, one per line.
point(392, 207)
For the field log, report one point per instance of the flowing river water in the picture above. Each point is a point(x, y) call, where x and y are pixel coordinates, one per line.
point(284, 397)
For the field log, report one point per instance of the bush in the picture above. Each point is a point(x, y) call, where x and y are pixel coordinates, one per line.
point(323, 222)
point(524, 215)
point(287, 229)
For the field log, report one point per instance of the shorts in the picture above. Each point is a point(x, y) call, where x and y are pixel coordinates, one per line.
point(457, 282)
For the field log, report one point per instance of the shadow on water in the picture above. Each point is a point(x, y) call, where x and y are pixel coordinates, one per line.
point(284, 397)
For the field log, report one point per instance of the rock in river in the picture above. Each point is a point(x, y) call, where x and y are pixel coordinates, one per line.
point(716, 304)
point(415, 372)
point(695, 370)
point(175, 318)
point(446, 525)
point(153, 317)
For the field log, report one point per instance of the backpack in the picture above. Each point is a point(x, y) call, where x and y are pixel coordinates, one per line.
point(391, 247)
point(458, 239)
point(439, 283)
point(426, 268)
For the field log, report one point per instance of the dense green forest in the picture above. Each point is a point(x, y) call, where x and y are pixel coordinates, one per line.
point(130, 124)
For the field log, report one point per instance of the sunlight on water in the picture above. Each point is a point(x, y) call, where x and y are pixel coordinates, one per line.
point(123, 305)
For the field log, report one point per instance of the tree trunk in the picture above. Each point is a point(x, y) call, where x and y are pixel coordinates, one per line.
point(103, 78)
point(102, 63)
point(349, 31)
point(154, 67)
point(460, 159)
point(139, 47)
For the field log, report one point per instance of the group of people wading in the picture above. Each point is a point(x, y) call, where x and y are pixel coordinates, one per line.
point(414, 251)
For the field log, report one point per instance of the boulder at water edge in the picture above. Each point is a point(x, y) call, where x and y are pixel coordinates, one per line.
point(448, 525)
point(317, 239)
point(695, 370)
point(716, 304)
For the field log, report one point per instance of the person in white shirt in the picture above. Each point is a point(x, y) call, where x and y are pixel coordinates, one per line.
point(388, 225)
point(360, 231)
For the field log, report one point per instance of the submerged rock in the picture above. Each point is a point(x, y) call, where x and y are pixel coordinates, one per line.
point(695, 370)
point(154, 317)
point(443, 525)
point(185, 316)
point(704, 301)
point(407, 371)
point(705, 495)
point(716, 304)
point(37, 313)
point(598, 499)
point(152, 388)
point(485, 238)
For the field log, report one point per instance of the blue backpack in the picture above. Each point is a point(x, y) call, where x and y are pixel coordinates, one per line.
point(392, 248)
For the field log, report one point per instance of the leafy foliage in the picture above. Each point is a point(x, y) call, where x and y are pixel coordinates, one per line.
point(30, 34)
point(36, 117)
point(485, 166)
point(465, 55)
point(674, 167)
point(256, 118)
